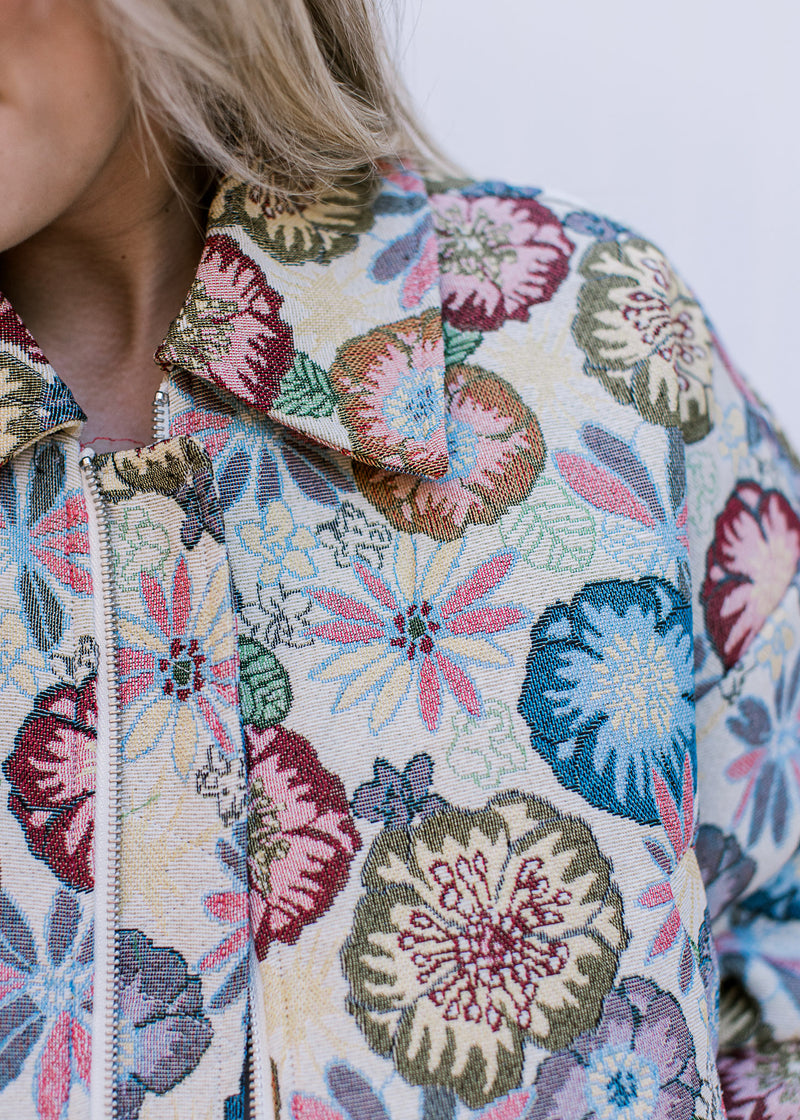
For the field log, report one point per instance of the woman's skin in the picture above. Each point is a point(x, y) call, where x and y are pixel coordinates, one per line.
point(97, 250)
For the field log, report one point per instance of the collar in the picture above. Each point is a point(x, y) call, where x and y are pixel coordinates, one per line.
point(326, 317)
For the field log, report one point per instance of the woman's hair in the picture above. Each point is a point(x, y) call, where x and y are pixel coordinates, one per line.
point(294, 93)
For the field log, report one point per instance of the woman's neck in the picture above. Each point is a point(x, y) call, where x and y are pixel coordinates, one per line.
point(99, 287)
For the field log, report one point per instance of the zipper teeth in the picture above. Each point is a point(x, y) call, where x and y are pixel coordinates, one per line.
point(111, 998)
point(161, 415)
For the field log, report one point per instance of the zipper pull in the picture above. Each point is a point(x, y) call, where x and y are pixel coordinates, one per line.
point(86, 461)
point(161, 415)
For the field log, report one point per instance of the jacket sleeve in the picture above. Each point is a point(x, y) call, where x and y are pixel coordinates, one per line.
point(743, 490)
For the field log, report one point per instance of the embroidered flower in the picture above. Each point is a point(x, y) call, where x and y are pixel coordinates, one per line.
point(644, 336)
point(279, 543)
point(162, 1032)
point(389, 391)
point(413, 634)
point(498, 257)
point(178, 667)
point(496, 454)
point(46, 1003)
point(396, 799)
point(301, 837)
point(141, 544)
point(679, 894)
point(45, 537)
point(770, 764)
point(481, 931)
point(638, 1062)
point(51, 771)
point(608, 693)
point(230, 329)
point(352, 536)
point(295, 231)
point(486, 750)
point(280, 617)
point(230, 908)
point(751, 563)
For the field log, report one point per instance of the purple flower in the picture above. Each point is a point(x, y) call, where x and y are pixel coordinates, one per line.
point(638, 1061)
point(163, 1031)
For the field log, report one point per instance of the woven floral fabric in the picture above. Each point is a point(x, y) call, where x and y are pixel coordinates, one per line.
point(437, 755)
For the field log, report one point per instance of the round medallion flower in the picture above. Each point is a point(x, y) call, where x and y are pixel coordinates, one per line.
point(389, 389)
point(496, 453)
point(498, 257)
point(52, 775)
point(301, 837)
point(481, 931)
point(644, 337)
point(608, 693)
point(295, 231)
point(178, 668)
point(414, 628)
point(637, 1064)
point(163, 1032)
point(751, 563)
point(230, 329)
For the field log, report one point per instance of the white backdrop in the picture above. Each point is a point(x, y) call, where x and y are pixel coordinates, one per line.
point(680, 119)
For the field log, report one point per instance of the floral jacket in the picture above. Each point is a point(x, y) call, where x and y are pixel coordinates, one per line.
point(411, 731)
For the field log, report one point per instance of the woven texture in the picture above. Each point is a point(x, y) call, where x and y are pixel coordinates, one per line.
point(458, 646)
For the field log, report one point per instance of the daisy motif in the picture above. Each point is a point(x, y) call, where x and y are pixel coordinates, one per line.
point(415, 632)
point(178, 667)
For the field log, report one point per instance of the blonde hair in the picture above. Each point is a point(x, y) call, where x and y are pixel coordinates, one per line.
point(294, 94)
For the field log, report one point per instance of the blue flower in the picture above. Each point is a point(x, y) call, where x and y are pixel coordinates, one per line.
point(46, 1003)
point(395, 798)
point(608, 693)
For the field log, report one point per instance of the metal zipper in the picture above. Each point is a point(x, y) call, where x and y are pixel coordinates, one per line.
point(107, 827)
point(255, 1050)
point(161, 415)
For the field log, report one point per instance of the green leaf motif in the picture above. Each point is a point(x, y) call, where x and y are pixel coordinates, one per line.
point(265, 694)
point(486, 750)
point(551, 530)
point(459, 345)
point(306, 389)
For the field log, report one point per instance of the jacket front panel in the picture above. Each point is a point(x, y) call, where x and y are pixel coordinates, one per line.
point(460, 511)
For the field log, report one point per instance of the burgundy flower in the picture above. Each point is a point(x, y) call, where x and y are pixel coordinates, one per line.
point(498, 256)
point(52, 774)
point(230, 329)
point(749, 567)
point(301, 840)
point(13, 330)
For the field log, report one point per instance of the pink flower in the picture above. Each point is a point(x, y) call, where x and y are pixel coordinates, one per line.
point(230, 329)
point(415, 630)
point(496, 454)
point(499, 256)
point(389, 386)
point(751, 563)
point(52, 775)
point(302, 838)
